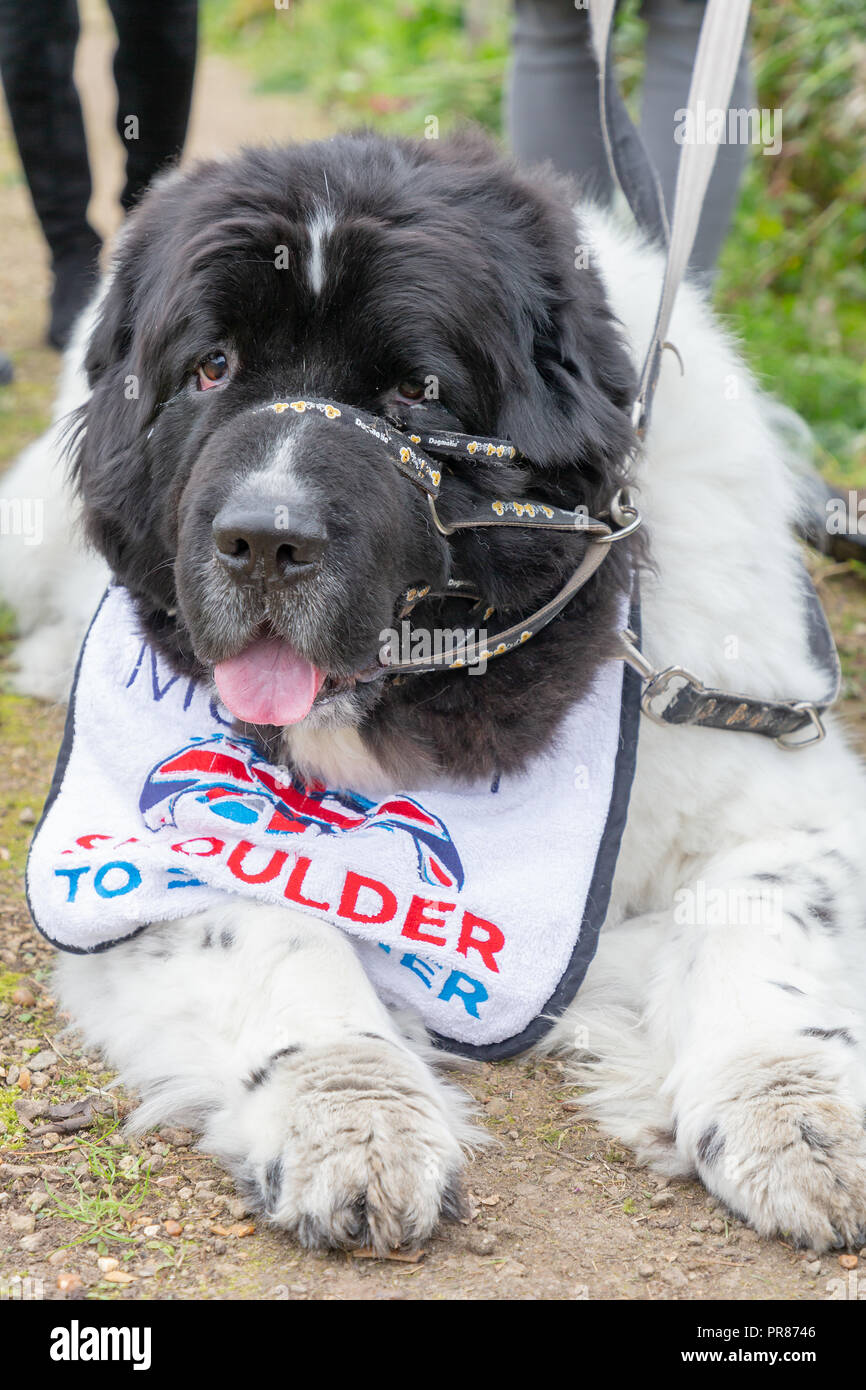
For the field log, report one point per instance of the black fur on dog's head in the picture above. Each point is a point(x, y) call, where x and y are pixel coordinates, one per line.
point(357, 270)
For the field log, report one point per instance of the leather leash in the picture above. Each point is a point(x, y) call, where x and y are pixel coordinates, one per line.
point(722, 35)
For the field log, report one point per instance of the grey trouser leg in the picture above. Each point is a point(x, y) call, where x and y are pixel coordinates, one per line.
point(552, 94)
point(673, 27)
point(552, 103)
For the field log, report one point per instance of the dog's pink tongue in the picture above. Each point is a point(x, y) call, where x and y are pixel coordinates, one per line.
point(269, 683)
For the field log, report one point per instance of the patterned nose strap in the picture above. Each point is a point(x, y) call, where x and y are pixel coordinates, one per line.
point(411, 455)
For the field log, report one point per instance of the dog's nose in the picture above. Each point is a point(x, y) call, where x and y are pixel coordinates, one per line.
point(277, 543)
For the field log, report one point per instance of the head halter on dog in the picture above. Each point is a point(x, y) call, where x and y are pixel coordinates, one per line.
point(411, 455)
point(414, 454)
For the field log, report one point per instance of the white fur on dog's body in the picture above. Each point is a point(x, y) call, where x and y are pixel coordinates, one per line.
point(53, 587)
point(734, 1050)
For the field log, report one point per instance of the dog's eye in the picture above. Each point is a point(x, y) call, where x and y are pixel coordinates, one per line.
point(213, 370)
point(411, 390)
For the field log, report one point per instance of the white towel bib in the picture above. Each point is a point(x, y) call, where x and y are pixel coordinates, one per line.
point(478, 907)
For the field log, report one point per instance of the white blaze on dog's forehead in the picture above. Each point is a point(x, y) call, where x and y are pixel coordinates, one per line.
point(320, 228)
point(277, 466)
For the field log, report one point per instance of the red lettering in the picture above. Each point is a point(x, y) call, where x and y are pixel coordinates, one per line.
point(87, 841)
point(486, 945)
point(295, 884)
point(349, 901)
point(417, 917)
point(216, 846)
point(235, 863)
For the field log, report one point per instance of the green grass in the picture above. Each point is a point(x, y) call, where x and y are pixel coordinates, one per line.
point(25, 406)
point(9, 981)
point(393, 63)
point(793, 275)
point(792, 279)
point(103, 1214)
point(22, 726)
point(13, 1135)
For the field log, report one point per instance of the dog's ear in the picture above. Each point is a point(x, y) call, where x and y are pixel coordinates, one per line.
point(567, 398)
point(569, 404)
point(111, 336)
point(110, 463)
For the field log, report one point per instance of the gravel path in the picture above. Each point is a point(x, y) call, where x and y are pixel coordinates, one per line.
point(558, 1211)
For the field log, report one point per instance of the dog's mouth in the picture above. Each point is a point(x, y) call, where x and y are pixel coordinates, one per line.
point(271, 682)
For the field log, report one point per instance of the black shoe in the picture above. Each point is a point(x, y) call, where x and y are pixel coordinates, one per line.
point(75, 276)
point(7, 371)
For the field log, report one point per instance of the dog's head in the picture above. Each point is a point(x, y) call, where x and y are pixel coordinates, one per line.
point(431, 284)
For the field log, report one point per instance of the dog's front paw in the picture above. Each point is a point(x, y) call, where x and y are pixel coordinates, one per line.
point(786, 1150)
point(352, 1145)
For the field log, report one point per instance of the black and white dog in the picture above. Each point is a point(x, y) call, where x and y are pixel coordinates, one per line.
point(359, 270)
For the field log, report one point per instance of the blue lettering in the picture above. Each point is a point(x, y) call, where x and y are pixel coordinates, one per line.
point(471, 997)
point(215, 714)
point(73, 875)
point(185, 879)
point(159, 690)
point(133, 879)
point(417, 966)
point(137, 667)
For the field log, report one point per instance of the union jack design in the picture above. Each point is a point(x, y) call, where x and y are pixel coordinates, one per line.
point(230, 778)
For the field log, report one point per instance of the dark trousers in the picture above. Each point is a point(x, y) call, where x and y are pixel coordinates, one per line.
point(154, 66)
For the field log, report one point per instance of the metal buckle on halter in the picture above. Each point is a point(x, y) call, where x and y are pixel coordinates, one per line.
point(792, 745)
point(625, 516)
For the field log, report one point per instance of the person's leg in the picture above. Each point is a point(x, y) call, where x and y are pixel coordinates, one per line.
point(154, 67)
point(37, 52)
point(672, 38)
point(552, 103)
point(552, 93)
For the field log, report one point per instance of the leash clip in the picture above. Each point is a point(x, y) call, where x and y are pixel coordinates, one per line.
point(658, 685)
point(657, 682)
